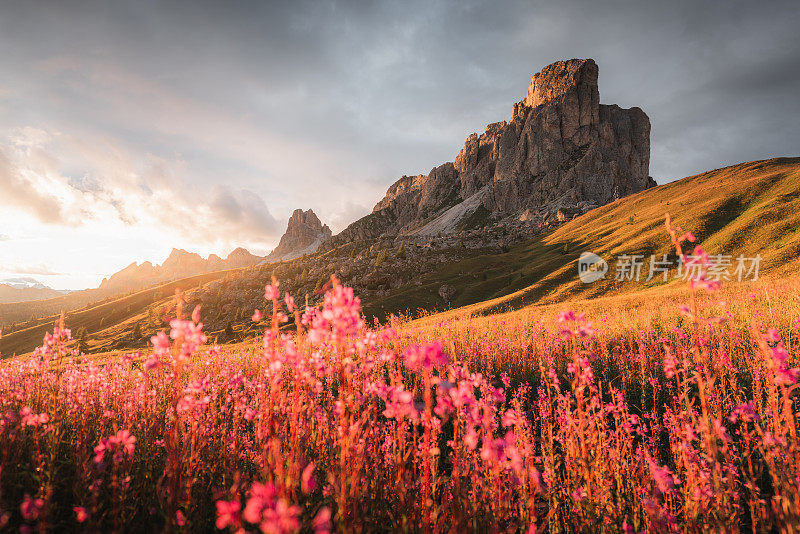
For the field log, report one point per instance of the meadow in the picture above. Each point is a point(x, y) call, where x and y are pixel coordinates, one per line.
point(678, 414)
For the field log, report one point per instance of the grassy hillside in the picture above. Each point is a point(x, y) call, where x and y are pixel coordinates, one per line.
point(750, 208)
point(115, 314)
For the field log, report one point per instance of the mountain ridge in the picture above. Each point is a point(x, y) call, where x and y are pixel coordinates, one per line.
point(12, 291)
point(179, 264)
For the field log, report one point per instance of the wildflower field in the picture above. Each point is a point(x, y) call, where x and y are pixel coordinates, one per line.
point(523, 422)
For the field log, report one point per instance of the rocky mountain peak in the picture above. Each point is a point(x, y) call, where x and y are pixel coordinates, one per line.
point(302, 221)
point(562, 80)
point(561, 151)
point(239, 252)
point(304, 234)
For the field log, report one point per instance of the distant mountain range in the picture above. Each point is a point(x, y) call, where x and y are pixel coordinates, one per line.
point(304, 235)
point(25, 289)
point(179, 264)
point(26, 297)
point(23, 283)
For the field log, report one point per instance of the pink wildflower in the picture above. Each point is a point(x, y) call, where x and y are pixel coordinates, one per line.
point(81, 515)
point(582, 370)
point(322, 521)
point(425, 357)
point(509, 418)
point(779, 358)
point(100, 450)
point(664, 478)
point(579, 494)
point(772, 336)
point(307, 481)
point(30, 508)
point(125, 440)
point(746, 412)
point(260, 497)
point(152, 362)
point(582, 327)
point(227, 514)
point(190, 333)
point(471, 439)
point(670, 364)
point(281, 519)
point(271, 291)
point(566, 316)
point(400, 404)
point(289, 301)
point(340, 315)
point(29, 418)
point(121, 444)
point(160, 343)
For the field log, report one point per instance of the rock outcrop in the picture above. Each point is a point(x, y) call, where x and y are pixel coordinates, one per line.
point(561, 150)
point(304, 234)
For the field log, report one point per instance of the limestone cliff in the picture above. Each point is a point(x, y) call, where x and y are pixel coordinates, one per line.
point(561, 149)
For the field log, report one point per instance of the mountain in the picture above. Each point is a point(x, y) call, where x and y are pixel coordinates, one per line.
point(561, 152)
point(179, 264)
point(23, 283)
point(304, 234)
point(26, 289)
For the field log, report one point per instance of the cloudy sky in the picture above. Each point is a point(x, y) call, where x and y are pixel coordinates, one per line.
point(128, 128)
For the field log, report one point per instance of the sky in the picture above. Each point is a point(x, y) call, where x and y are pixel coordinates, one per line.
point(129, 128)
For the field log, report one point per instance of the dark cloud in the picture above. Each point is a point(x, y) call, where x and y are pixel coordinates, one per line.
point(91, 186)
point(122, 212)
point(327, 103)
